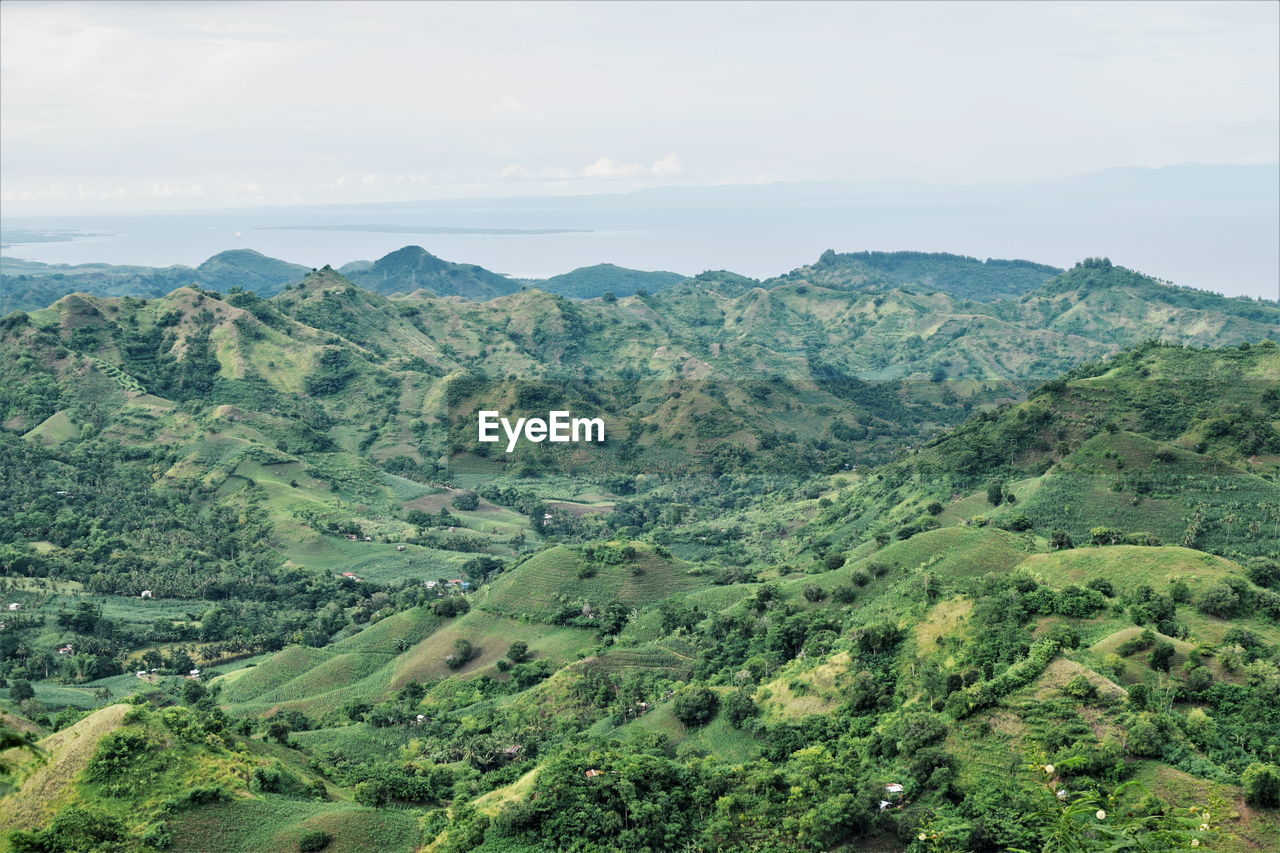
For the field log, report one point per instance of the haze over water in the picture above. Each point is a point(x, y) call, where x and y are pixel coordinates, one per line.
point(1226, 246)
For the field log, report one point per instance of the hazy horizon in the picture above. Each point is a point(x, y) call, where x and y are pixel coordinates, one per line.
point(129, 106)
point(651, 135)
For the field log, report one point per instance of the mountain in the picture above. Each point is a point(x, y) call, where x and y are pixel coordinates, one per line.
point(248, 270)
point(413, 268)
point(860, 560)
point(26, 285)
point(965, 277)
point(596, 281)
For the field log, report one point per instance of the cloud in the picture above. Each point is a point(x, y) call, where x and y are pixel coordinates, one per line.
point(669, 165)
point(507, 104)
point(605, 167)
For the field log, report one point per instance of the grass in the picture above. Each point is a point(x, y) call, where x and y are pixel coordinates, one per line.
point(276, 824)
point(718, 737)
point(1131, 566)
point(794, 695)
point(1241, 828)
point(67, 753)
point(489, 635)
point(356, 739)
point(540, 586)
point(1097, 486)
point(494, 801)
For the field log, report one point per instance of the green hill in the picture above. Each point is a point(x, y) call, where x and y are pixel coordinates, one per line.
point(413, 268)
point(258, 537)
point(595, 281)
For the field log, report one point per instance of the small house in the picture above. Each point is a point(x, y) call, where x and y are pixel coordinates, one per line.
point(146, 593)
point(893, 788)
point(195, 673)
point(546, 516)
point(430, 584)
point(142, 673)
point(66, 650)
point(15, 606)
point(884, 804)
point(399, 547)
point(511, 752)
point(593, 773)
point(368, 538)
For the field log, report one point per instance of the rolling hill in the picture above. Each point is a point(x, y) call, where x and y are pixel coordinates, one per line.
point(875, 551)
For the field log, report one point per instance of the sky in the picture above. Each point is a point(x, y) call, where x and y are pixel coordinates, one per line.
point(154, 106)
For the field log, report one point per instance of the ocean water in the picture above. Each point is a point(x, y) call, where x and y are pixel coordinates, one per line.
point(1231, 247)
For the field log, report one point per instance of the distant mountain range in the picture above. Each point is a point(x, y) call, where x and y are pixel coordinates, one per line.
point(25, 285)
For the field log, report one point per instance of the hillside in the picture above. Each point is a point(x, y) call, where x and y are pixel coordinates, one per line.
point(268, 584)
point(413, 268)
point(958, 275)
point(28, 285)
point(599, 280)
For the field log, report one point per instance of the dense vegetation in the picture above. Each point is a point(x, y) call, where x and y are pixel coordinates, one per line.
point(863, 564)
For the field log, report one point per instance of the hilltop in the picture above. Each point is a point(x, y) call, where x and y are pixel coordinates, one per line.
point(843, 536)
point(413, 268)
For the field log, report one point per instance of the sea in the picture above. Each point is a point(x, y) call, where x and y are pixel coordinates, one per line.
point(1230, 247)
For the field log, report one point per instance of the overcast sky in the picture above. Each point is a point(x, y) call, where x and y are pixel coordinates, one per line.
point(146, 106)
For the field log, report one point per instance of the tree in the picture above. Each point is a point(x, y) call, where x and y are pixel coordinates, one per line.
point(462, 652)
point(1161, 656)
point(1220, 600)
point(1145, 738)
point(995, 493)
point(695, 706)
point(1261, 785)
point(1060, 540)
point(278, 731)
point(21, 690)
point(518, 651)
point(739, 707)
point(467, 501)
point(814, 593)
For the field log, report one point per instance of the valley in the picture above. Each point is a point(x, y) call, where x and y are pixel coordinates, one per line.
point(897, 551)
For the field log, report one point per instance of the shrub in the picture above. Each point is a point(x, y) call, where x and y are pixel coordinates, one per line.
point(1102, 585)
point(1220, 600)
point(739, 707)
point(1081, 688)
point(467, 501)
point(1161, 656)
point(316, 839)
point(1261, 785)
point(463, 651)
point(695, 706)
point(844, 594)
point(1146, 737)
point(454, 605)
point(814, 594)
